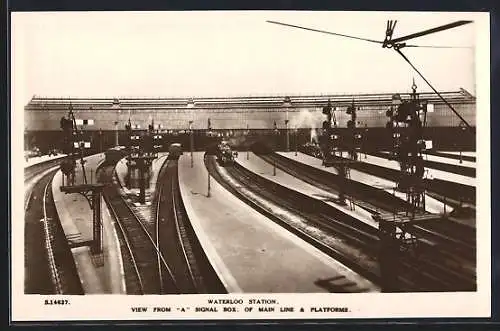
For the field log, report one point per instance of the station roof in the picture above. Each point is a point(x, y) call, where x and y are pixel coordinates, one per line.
point(290, 101)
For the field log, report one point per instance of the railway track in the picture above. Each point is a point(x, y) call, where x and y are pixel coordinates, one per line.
point(359, 246)
point(452, 156)
point(35, 169)
point(146, 270)
point(49, 264)
point(30, 174)
point(302, 223)
point(161, 255)
point(449, 235)
point(452, 168)
point(177, 240)
point(455, 191)
point(446, 244)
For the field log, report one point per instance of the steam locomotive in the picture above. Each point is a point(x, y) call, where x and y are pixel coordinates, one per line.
point(225, 155)
point(174, 151)
point(114, 154)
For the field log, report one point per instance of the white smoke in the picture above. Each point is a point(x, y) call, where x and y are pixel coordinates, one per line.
point(307, 119)
point(314, 136)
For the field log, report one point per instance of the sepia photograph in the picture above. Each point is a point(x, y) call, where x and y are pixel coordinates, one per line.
point(250, 165)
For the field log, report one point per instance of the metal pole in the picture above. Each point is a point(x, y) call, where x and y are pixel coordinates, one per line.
point(208, 188)
point(274, 159)
point(96, 199)
point(444, 206)
point(142, 189)
point(191, 142)
point(287, 133)
point(248, 148)
point(296, 140)
point(116, 133)
point(100, 141)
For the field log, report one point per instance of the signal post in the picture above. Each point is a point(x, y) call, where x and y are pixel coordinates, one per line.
point(74, 146)
point(407, 118)
point(142, 150)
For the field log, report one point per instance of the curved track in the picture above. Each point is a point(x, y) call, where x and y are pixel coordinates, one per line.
point(177, 240)
point(449, 235)
point(161, 254)
point(456, 191)
point(146, 270)
point(359, 244)
point(49, 264)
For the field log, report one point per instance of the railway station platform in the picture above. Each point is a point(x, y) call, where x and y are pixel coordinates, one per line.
point(99, 274)
point(431, 173)
point(431, 205)
point(469, 153)
point(249, 252)
point(448, 160)
point(259, 166)
point(40, 159)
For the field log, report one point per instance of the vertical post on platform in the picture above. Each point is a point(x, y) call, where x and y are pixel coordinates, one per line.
point(366, 139)
point(100, 141)
point(191, 137)
point(287, 147)
point(287, 103)
point(276, 133)
point(116, 133)
point(142, 188)
point(296, 140)
point(444, 206)
point(208, 188)
point(96, 210)
point(248, 148)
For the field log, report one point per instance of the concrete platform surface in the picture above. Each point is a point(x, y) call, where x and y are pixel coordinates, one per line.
point(431, 205)
point(249, 252)
point(431, 173)
point(101, 273)
point(40, 159)
point(448, 160)
point(463, 153)
point(257, 165)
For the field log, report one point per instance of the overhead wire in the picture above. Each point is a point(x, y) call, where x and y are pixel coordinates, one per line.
point(397, 45)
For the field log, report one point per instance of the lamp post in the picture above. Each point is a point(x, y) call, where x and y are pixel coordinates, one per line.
point(296, 140)
point(116, 107)
point(365, 139)
point(100, 141)
point(191, 138)
point(208, 185)
point(276, 132)
point(287, 103)
point(287, 147)
point(116, 133)
point(248, 148)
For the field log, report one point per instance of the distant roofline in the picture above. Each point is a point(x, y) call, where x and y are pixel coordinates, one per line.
point(185, 100)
